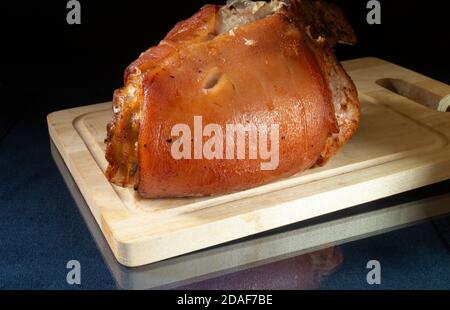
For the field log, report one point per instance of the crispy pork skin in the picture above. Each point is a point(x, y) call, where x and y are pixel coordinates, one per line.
point(246, 62)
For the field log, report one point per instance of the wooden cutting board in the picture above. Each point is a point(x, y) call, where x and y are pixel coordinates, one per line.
point(401, 145)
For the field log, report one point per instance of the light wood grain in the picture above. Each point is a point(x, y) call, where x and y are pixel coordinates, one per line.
point(274, 248)
point(400, 146)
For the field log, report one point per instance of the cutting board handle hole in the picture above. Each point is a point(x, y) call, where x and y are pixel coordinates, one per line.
point(416, 93)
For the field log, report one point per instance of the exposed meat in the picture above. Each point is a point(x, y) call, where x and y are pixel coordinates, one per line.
point(250, 63)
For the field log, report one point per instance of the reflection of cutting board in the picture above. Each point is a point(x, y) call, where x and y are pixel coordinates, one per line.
point(401, 145)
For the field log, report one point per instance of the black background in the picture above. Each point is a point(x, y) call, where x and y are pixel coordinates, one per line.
point(52, 65)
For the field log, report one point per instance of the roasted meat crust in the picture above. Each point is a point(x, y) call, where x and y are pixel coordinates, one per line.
point(123, 130)
point(279, 69)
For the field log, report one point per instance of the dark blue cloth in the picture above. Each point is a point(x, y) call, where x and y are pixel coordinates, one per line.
point(411, 258)
point(40, 227)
